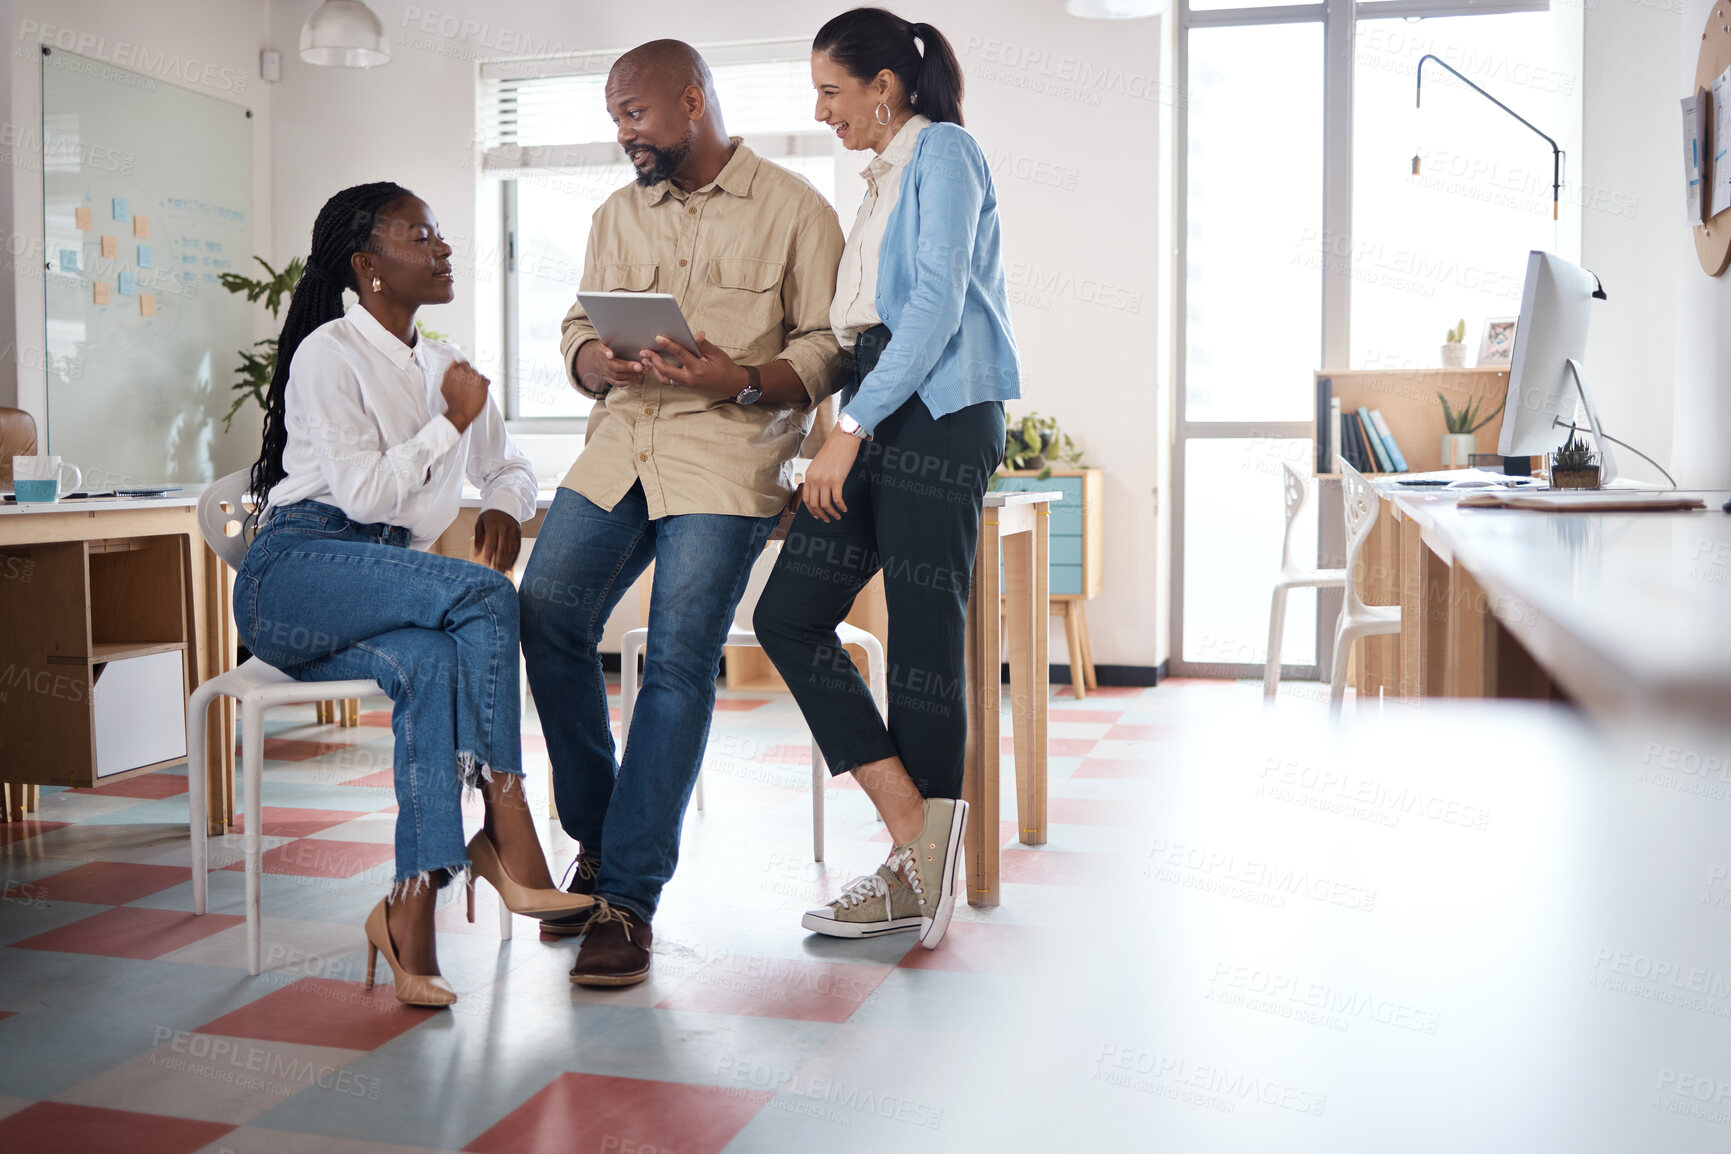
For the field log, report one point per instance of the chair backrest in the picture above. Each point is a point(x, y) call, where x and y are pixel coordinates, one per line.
point(17, 439)
point(1362, 504)
point(226, 517)
point(1295, 487)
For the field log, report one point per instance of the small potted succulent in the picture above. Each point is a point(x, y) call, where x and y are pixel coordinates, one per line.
point(1574, 466)
point(1035, 441)
point(1458, 442)
point(1454, 350)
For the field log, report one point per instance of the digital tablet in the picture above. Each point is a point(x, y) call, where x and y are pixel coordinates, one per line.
point(629, 322)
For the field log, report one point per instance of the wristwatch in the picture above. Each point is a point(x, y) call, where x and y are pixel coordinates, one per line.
point(753, 390)
point(852, 427)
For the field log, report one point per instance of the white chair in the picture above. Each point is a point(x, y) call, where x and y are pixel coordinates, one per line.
point(1292, 576)
point(1356, 618)
point(637, 639)
point(226, 519)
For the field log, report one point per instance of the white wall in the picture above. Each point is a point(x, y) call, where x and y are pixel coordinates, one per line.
point(1702, 406)
point(1071, 105)
point(1632, 219)
point(210, 46)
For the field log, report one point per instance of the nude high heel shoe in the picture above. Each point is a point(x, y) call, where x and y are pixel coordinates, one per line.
point(412, 989)
point(518, 898)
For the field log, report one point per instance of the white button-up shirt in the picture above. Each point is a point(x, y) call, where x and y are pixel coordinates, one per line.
point(367, 433)
point(855, 308)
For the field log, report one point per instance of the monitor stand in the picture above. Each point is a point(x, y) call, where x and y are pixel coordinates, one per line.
point(1607, 462)
point(1518, 466)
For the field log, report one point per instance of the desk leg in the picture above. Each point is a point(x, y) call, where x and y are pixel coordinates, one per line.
point(1471, 642)
point(208, 602)
point(1027, 686)
point(1437, 587)
point(1410, 586)
point(980, 773)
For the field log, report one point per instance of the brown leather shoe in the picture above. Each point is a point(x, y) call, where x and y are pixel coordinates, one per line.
point(616, 949)
point(583, 872)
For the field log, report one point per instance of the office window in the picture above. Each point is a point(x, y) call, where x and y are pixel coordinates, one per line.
point(551, 158)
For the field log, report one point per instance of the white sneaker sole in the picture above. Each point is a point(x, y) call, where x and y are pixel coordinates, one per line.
point(818, 923)
point(939, 923)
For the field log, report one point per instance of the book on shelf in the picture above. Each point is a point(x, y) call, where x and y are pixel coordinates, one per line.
point(1388, 442)
point(1351, 441)
point(1366, 453)
point(1324, 404)
point(1378, 452)
point(1334, 429)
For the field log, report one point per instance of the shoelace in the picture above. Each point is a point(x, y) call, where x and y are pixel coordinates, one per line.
point(605, 913)
point(907, 857)
point(872, 887)
point(583, 867)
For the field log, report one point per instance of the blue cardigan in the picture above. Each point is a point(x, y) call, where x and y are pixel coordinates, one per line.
point(941, 288)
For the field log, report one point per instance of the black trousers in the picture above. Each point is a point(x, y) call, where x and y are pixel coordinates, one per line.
point(913, 511)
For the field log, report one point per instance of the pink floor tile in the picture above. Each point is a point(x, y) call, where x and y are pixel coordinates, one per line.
point(1087, 811)
point(11, 831)
point(1140, 732)
point(383, 779)
point(149, 785)
point(1053, 867)
point(377, 717)
point(58, 1128)
point(597, 1114)
point(1086, 716)
point(108, 883)
point(323, 1012)
point(777, 988)
point(319, 858)
point(131, 932)
point(1067, 690)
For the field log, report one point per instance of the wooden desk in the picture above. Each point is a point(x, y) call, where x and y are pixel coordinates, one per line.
point(102, 581)
point(1624, 613)
point(1015, 528)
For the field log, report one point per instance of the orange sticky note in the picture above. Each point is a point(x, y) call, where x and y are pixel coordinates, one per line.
point(100, 290)
point(82, 216)
point(147, 304)
point(110, 247)
point(141, 226)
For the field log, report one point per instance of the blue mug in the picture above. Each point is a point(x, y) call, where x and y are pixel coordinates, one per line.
point(37, 478)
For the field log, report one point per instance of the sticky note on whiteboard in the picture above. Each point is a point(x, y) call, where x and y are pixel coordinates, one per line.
point(146, 256)
point(147, 304)
point(99, 292)
point(125, 284)
point(110, 247)
point(81, 215)
point(141, 226)
point(68, 260)
point(122, 210)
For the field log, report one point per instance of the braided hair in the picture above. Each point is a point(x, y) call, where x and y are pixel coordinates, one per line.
point(865, 41)
point(344, 227)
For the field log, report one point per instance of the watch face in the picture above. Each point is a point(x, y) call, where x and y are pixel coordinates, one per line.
point(749, 395)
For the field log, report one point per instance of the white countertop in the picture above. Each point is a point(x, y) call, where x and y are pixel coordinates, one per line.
point(187, 497)
point(1628, 611)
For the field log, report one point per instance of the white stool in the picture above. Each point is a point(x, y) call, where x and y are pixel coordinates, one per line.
point(1292, 576)
point(1356, 618)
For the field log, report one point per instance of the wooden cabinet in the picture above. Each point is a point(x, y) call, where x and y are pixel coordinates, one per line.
point(94, 658)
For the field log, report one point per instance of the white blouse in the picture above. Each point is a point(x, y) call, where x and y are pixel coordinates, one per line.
point(855, 308)
point(367, 433)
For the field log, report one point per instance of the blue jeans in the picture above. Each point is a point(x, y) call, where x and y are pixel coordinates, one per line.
point(585, 559)
point(323, 598)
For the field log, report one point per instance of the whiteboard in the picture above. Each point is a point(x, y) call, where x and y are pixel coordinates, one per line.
point(147, 198)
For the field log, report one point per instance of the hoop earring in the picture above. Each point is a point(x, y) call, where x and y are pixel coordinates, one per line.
point(375, 284)
point(881, 114)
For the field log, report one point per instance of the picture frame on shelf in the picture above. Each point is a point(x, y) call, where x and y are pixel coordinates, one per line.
point(1497, 346)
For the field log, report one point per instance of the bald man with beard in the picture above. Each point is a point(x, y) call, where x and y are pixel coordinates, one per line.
point(687, 464)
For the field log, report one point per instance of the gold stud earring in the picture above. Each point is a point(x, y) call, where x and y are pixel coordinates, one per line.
point(375, 284)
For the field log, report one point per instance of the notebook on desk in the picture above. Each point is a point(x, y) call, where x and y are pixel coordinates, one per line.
point(1582, 501)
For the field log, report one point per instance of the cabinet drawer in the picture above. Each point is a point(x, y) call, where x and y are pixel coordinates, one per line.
point(1064, 551)
point(138, 705)
point(1064, 579)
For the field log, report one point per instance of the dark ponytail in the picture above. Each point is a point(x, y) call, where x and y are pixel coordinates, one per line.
point(343, 228)
point(865, 41)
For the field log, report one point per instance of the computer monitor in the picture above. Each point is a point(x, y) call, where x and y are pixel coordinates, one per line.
point(1546, 375)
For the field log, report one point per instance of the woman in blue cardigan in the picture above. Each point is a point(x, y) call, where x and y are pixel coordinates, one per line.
point(920, 299)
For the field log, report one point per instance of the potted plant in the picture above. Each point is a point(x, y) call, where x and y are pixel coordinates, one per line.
point(1454, 351)
point(1574, 466)
point(1033, 443)
point(1458, 442)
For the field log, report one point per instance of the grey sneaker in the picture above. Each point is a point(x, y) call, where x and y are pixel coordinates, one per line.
point(935, 870)
point(879, 903)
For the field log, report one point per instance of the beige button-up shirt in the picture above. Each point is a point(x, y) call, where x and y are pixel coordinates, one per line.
point(751, 258)
point(855, 308)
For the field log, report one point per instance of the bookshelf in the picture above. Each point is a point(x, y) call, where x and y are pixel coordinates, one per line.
point(1408, 401)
